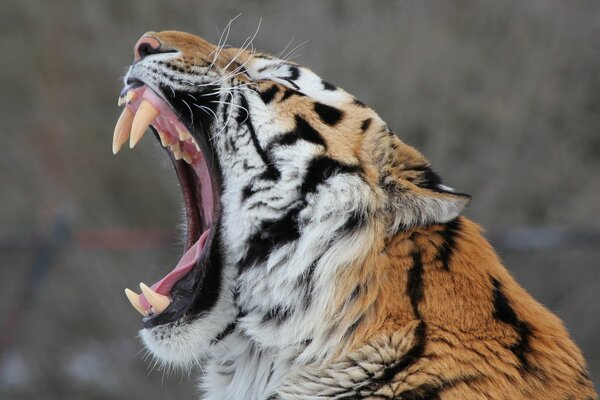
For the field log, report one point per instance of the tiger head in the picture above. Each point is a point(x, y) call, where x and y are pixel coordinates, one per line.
point(292, 188)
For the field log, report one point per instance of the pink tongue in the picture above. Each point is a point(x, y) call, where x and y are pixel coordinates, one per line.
point(185, 265)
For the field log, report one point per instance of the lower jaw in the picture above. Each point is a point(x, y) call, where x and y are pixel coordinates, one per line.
point(189, 289)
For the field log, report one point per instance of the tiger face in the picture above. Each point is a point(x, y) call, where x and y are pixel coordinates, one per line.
point(289, 184)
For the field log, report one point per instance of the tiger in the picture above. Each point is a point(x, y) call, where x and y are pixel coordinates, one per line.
point(324, 257)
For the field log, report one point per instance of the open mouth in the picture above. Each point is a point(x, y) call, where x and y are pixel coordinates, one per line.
point(172, 296)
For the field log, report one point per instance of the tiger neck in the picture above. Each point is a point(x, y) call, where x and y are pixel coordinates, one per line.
point(371, 297)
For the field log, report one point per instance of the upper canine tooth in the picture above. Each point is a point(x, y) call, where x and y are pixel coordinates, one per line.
point(143, 117)
point(158, 301)
point(122, 130)
point(134, 299)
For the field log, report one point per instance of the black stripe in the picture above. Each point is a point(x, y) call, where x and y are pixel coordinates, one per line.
point(359, 103)
point(356, 220)
point(278, 314)
point(291, 82)
point(451, 230)
point(271, 172)
point(306, 282)
point(302, 131)
point(428, 178)
point(268, 95)
point(294, 73)
point(505, 313)
point(328, 114)
point(328, 86)
point(225, 332)
point(270, 235)
point(289, 93)
point(322, 168)
point(247, 191)
point(366, 124)
point(422, 392)
point(350, 331)
point(414, 283)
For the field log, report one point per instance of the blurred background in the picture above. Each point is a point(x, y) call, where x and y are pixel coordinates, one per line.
point(502, 97)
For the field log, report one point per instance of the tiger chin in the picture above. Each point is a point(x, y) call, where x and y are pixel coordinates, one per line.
point(324, 257)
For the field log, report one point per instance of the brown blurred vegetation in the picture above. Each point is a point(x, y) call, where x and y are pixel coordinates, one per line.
point(503, 97)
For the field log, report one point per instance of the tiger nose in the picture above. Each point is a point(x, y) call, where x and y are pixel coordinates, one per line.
point(145, 46)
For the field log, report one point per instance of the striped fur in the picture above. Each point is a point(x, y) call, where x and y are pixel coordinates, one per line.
point(347, 271)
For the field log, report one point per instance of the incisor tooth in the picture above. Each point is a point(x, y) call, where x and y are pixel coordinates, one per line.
point(121, 101)
point(143, 117)
point(122, 130)
point(131, 95)
point(134, 299)
point(176, 150)
point(158, 301)
point(183, 134)
point(163, 139)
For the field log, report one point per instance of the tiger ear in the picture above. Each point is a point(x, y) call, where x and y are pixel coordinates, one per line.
point(415, 192)
point(417, 206)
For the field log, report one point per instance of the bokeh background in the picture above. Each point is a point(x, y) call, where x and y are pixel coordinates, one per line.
point(503, 97)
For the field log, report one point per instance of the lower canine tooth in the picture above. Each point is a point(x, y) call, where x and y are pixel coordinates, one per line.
point(158, 301)
point(134, 299)
point(143, 117)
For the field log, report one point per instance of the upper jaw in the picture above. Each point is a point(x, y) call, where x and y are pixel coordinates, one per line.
point(198, 171)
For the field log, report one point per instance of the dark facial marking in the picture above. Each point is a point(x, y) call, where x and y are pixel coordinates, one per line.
point(329, 115)
point(366, 124)
point(294, 73)
point(322, 168)
point(277, 314)
point(427, 178)
point(289, 93)
point(328, 86)
point(359, 103)
point(270, 235)
point(302, 131)
point(271, 172)
point(268, 95)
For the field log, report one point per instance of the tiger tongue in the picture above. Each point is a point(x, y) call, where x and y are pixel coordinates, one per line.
point(184, 266)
